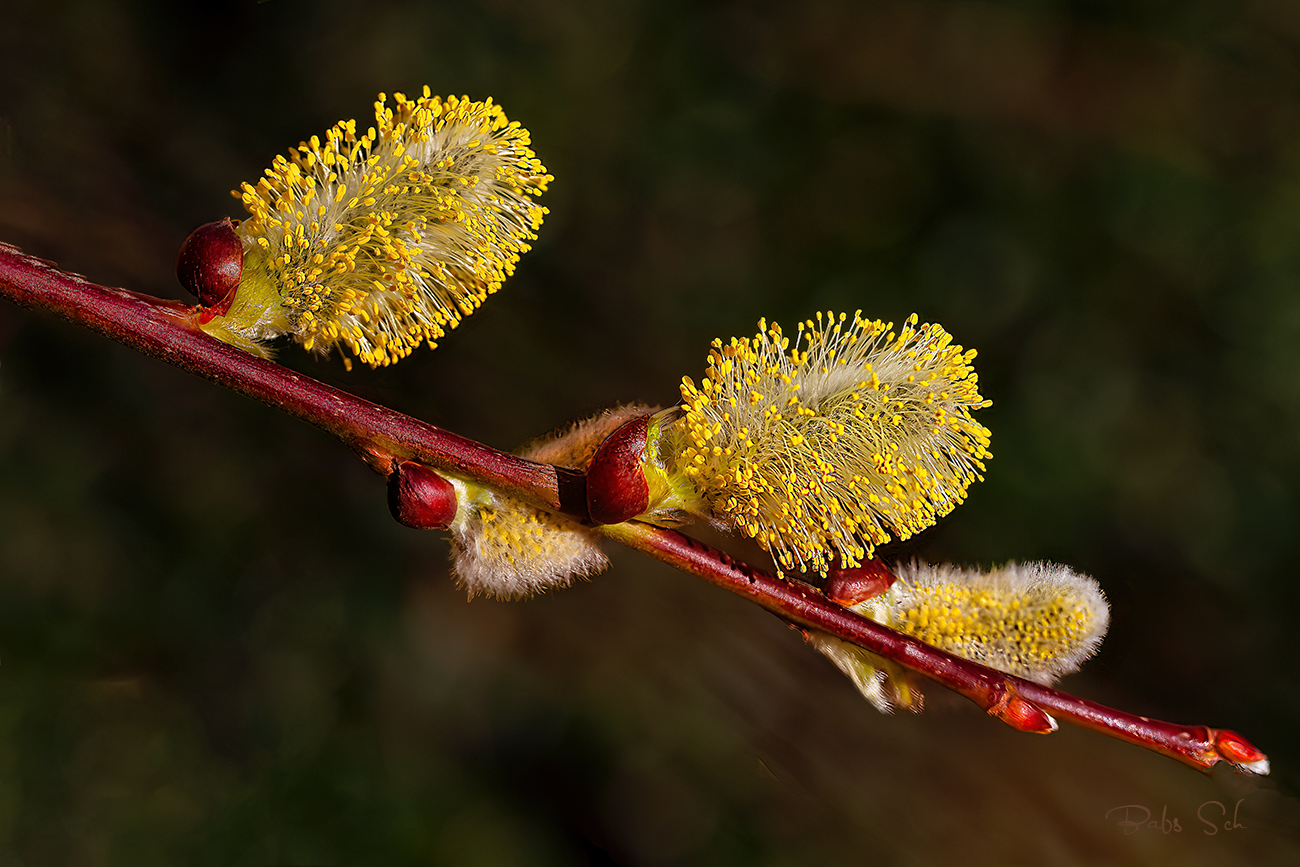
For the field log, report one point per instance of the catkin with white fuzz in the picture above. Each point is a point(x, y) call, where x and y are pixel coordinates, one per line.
point(1038, 621)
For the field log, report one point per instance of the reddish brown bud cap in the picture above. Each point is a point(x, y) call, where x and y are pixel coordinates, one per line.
point(420, 498)
point(849, 586)
point(617, 490)
point(210, 264)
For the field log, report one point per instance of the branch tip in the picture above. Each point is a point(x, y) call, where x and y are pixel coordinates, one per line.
point(1243, 755)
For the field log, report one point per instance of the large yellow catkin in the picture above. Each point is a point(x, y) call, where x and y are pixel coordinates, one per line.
point(380, 240)
point(1038, 621)
point(826, 447)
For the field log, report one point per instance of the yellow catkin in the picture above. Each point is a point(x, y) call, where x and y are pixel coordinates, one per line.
point(1038, 621)
point(826, 447)
point(506, 549)
point(381, 240)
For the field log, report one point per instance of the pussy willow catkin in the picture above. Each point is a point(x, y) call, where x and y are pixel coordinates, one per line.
point(1038, 621)
point(381, 240)
point(824, 447)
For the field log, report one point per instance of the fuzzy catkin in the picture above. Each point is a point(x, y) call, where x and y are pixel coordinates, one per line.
point(823, 448)
point(1038, 621)
point(379, 240)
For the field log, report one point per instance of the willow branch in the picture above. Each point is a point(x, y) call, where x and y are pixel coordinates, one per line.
point(166, 330)
point(998, 693)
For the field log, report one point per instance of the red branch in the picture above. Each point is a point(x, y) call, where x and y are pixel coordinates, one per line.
point(165, 330)
point(1000, 694)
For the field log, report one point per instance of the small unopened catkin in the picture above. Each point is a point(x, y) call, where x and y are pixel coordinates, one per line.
point(507, 549)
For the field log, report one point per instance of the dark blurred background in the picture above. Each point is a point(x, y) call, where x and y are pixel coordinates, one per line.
point(216, 648)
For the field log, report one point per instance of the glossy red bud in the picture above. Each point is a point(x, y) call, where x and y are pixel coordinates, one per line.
point(210, 264)
point(1023, 715)
point(849, 586)
point(617, 490)
point(420, 498)
point(1240, 751)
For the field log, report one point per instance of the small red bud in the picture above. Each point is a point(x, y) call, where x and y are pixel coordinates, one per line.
point(1023, 715)
point(420, 498)
point(210, 264)
point(617, 489)
point(1240, 751)
point(849, 586)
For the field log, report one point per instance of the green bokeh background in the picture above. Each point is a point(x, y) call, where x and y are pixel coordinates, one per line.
point(216, 648)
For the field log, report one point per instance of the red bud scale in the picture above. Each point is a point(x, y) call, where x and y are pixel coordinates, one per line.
point(856, 584)
point(617, 489)
point(420, 498)
point(211, 263)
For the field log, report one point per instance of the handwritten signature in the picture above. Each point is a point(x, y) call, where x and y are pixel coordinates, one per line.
point(1135, 817)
